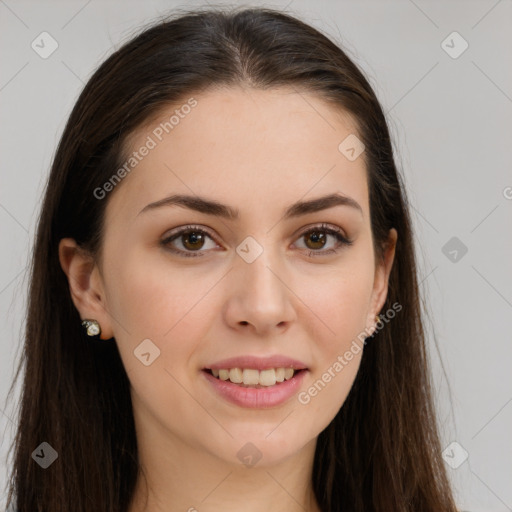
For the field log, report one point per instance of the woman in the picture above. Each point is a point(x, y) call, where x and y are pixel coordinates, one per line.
point(224, 308)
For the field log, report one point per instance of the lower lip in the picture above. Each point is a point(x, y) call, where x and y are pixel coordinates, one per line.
point(256, 398)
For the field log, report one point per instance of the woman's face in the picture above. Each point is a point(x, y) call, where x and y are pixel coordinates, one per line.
point(250, 279)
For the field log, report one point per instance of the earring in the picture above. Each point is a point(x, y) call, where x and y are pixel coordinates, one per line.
point(377, 319)
point(92, 327)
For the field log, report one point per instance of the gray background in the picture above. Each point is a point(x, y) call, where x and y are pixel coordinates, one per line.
point(451, 120)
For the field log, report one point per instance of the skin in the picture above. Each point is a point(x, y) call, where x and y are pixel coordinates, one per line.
point(259, 152)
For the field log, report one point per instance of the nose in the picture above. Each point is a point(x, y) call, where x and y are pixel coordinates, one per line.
point(259, 297)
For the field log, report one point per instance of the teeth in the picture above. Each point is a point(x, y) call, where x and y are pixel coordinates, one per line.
point(252, 377)
point(235, 375)
point(268, 377)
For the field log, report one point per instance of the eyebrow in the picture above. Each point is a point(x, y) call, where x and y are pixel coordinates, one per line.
point(211, 207)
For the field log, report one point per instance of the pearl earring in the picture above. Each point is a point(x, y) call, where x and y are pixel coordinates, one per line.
point(92, 327)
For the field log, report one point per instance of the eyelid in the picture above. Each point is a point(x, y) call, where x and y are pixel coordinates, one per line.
point(189, 227)
point(322, 226)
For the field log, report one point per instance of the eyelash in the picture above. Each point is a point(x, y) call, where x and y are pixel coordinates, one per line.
point(196, 229)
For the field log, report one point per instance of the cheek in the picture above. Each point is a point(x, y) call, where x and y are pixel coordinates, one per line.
point(340, 301)
point(152, 296)
point(171, 305)
point(153, 300)
point(337, 343)
point(337, 331)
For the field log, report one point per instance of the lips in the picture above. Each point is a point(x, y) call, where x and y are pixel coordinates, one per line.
point(255, 396)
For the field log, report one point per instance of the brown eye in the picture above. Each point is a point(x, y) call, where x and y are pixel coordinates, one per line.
point(316, 238)
point(189, 241)
point(192, 240)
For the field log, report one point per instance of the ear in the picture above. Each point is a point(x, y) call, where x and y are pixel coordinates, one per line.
point(381, 279)
point(85, 285)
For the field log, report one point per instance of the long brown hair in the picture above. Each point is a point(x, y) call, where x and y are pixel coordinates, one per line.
point(381, 452)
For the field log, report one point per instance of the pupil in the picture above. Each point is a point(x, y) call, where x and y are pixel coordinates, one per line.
point(317, 239)
point(193, 238)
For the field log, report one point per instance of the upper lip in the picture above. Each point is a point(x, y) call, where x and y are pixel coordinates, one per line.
point(257, 363)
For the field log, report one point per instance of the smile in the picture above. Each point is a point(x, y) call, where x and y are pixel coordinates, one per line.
point(254, 378)
point(255, 389)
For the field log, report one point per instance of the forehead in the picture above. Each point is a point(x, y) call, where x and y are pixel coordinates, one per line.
point(242, 147)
